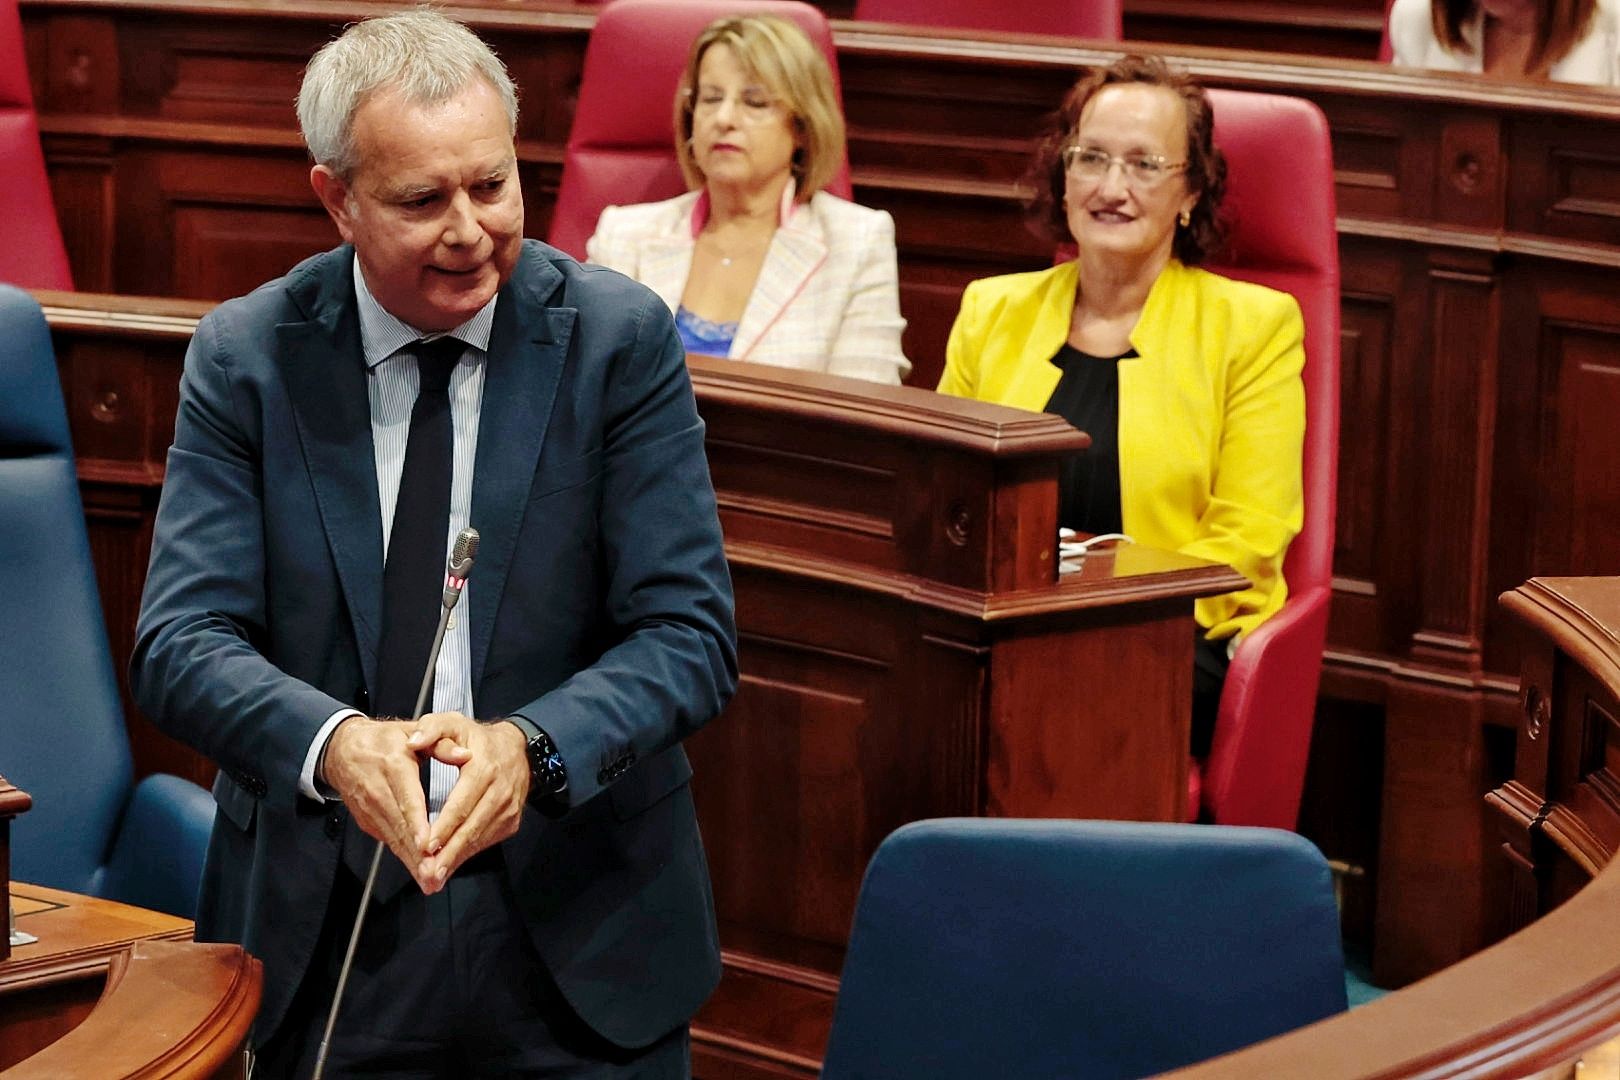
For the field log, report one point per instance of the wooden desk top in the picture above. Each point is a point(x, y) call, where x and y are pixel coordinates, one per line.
point(78, 935)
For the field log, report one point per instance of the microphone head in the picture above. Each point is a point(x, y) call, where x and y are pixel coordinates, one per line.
point(462, 555)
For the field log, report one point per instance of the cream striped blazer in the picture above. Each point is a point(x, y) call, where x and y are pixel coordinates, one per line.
point(828, 294)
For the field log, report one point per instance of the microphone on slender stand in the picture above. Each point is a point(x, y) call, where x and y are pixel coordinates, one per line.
point(455, 577)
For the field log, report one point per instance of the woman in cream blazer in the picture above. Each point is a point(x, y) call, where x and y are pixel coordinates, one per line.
point(827, 297)
point(757, 261)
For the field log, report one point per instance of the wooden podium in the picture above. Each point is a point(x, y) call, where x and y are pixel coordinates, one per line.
point(909, 649)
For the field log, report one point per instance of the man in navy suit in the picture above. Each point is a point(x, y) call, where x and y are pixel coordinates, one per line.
point(551, 911)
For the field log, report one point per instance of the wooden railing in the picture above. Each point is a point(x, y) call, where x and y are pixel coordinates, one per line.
point(171, 1010)
point(1551, 992)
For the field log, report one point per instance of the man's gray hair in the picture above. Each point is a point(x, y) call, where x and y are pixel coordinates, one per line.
point(427, 57)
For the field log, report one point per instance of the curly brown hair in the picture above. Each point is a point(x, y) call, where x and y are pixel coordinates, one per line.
point(1205, 172)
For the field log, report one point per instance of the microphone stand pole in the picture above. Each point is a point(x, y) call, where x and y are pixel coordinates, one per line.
point(460, 568)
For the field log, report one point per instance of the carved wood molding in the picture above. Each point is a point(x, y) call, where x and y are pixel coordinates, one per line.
point(171, 1009)
point(907, 412)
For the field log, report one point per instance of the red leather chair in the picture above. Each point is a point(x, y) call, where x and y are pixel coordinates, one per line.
point(621, 147)
point(31, 250)
point(1096, 19)
point(1386, 48)
point(1281, 206)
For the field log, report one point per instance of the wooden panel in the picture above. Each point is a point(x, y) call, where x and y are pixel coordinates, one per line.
point(86, 197)
point(1376, 163)
point(1590, 388)
point(1431, 892)
point(228, 77)
point(1557, 449)
point(1566, 181)
point(1459, 412)
point(1367, 466)
point(1045, 722)
point(235, 224)
point(1471, 174)
point(82, 71)
point(1347, 28)
point(816, 749)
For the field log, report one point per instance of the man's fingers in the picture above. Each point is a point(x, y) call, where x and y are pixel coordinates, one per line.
point(468, 839)
point(434, 727)
point(484, 808)
point(450, 752)
point(409, 808)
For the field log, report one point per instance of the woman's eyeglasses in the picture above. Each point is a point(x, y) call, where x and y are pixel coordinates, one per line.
point(1140, 170)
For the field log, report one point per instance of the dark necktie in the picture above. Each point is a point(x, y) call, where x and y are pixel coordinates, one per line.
point(413, 574)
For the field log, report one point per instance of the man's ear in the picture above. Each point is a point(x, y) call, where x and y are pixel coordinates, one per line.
point(334, 195)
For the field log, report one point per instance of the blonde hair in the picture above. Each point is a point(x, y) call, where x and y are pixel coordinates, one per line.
point(782, 56)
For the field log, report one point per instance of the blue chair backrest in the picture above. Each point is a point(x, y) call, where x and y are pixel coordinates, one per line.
point(62, 734)
point(1097, 949)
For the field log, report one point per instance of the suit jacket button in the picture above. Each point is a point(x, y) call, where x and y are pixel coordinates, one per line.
point(334, 824)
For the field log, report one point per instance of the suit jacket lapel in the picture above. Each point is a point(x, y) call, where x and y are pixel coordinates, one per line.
point(326, 382)
point(528, 352)
point(796, 252)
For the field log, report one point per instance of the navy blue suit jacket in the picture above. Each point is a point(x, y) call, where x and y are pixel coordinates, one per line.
point(601, 609)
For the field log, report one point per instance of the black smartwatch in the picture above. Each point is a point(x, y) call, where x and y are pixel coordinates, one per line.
point(548, 776)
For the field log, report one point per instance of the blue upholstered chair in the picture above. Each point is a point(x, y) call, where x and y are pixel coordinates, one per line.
point(62, 740)
point(1097, 949)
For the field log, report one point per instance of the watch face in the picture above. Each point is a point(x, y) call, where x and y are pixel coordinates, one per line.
point(546, 769)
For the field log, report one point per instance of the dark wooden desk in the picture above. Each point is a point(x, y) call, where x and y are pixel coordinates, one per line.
point(907, 651)
point(49, 987)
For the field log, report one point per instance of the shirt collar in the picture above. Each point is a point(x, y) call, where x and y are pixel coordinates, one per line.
point(382, 334)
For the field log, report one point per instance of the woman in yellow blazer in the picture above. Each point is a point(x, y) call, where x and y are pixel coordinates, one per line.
point(1188, 382)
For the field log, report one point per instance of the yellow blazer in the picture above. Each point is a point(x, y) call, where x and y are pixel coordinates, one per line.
point(1211, 414)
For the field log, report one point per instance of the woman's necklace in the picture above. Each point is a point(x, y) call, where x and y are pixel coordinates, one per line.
point(727, 258)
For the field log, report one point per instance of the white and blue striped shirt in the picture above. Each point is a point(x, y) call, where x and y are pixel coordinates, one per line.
point(392, 383)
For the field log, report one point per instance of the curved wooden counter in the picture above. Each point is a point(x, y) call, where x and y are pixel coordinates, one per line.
point(1541, 997)
point(171, 1009)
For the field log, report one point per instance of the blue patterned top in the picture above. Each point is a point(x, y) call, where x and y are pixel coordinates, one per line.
point(699, 335)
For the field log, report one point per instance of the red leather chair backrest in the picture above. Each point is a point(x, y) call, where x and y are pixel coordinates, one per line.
point(31, 250)
point(621, 148)
point(1280, 204)
point(1097, 19)
point(1386, 48)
